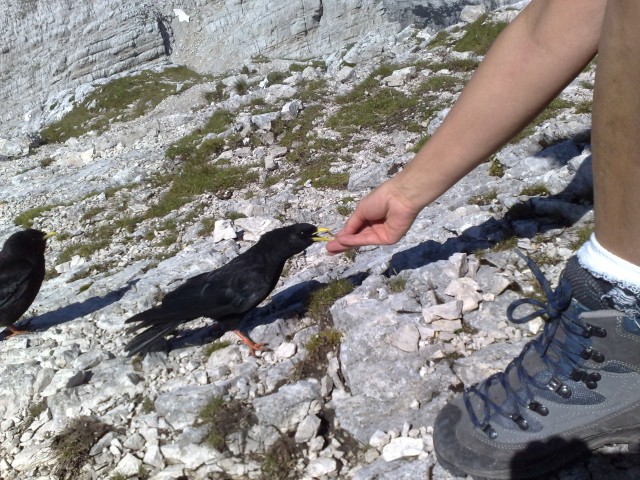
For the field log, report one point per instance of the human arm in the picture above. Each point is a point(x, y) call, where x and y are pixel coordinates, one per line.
point(532, 60)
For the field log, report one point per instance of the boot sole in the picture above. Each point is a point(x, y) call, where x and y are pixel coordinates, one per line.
point(574, 450)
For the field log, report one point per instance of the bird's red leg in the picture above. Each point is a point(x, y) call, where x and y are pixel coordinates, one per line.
point(250, 343)
point(14, 331)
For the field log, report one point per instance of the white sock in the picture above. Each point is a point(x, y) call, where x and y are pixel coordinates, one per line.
point(603, 264)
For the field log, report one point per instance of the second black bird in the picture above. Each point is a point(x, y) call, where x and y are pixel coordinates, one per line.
point(22, 271)
point(228, 293)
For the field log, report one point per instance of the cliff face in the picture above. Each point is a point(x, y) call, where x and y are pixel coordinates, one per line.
point(52, 50)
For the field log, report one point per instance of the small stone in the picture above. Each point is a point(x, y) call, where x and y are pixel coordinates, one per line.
point(286, 350)
point(153, 457)
point(307, 429)
point(128, 465)
point(134, 442)
point(223, 230)
point(64, 378)
point(450, 311)
point(406, 338)
point(316, 444)
point(401, 447)
point(321, 466)
point(447, 326)
point(379, 439)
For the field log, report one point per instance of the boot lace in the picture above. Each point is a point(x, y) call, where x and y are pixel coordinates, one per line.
point(562, 355)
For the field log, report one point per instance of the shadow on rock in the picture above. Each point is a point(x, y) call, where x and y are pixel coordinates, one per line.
point(584, 464)
point(75, 310)
point(524, 219)
point(291, 303)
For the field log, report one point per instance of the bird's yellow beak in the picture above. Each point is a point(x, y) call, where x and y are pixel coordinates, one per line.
point(320, 230)
point(49, 235)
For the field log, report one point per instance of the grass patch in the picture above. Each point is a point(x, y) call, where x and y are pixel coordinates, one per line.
point(587, 84)
point(361, 91)
point(234, 215)
point(496, 169)
point(344, 210)
point(314, 364)
point(313, 156)
point(225, 417)
point(420, 143)
point(26, 218)
point(372, 106)
point(276, 77)
point(147, 406)
point(468, 329)
point(504, 245)
point(241, 86)
point(462, 65)
point(319, 342)
point(260, 58)
point(214, 347)
point(120, 100)
point(312, 90)
point(323, 298)
point(479, 35)
point(72, 445)
point(279, 461)
point(440, 39)
point(397, 284)
point(439, 83)
point(484, 199)
point(216, 95)
point(207, 225)
point(197, 178)
point(317, 171)
point(382, 109)
point(35, 409)
point(581, 236)
point(537, 190)
point(584, 107)
point(198, 174)
point(258, 102)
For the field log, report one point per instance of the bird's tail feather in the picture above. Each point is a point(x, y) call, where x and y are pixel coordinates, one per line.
point(145, 339)
point(150, 318)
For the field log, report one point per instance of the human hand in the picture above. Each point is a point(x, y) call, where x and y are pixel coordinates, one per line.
point(381, 218)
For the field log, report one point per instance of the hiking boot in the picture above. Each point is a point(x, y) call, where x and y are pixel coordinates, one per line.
point(574, 388)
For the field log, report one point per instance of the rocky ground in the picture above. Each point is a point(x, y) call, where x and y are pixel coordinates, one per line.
point(366, 347)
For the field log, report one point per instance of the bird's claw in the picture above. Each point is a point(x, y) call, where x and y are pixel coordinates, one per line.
point(260, 347)
point(11, 331)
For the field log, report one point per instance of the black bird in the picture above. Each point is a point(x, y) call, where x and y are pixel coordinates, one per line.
point(228, 293)
point(21, 274)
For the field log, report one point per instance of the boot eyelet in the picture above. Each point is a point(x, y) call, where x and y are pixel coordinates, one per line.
point(520, 421)
point(590, 331)
point(539, 408)
point(578, 375)
point(489, 431)
point(559, 387)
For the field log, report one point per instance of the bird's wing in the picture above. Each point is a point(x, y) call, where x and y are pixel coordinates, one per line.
point(14, 276)
point(231, 290)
